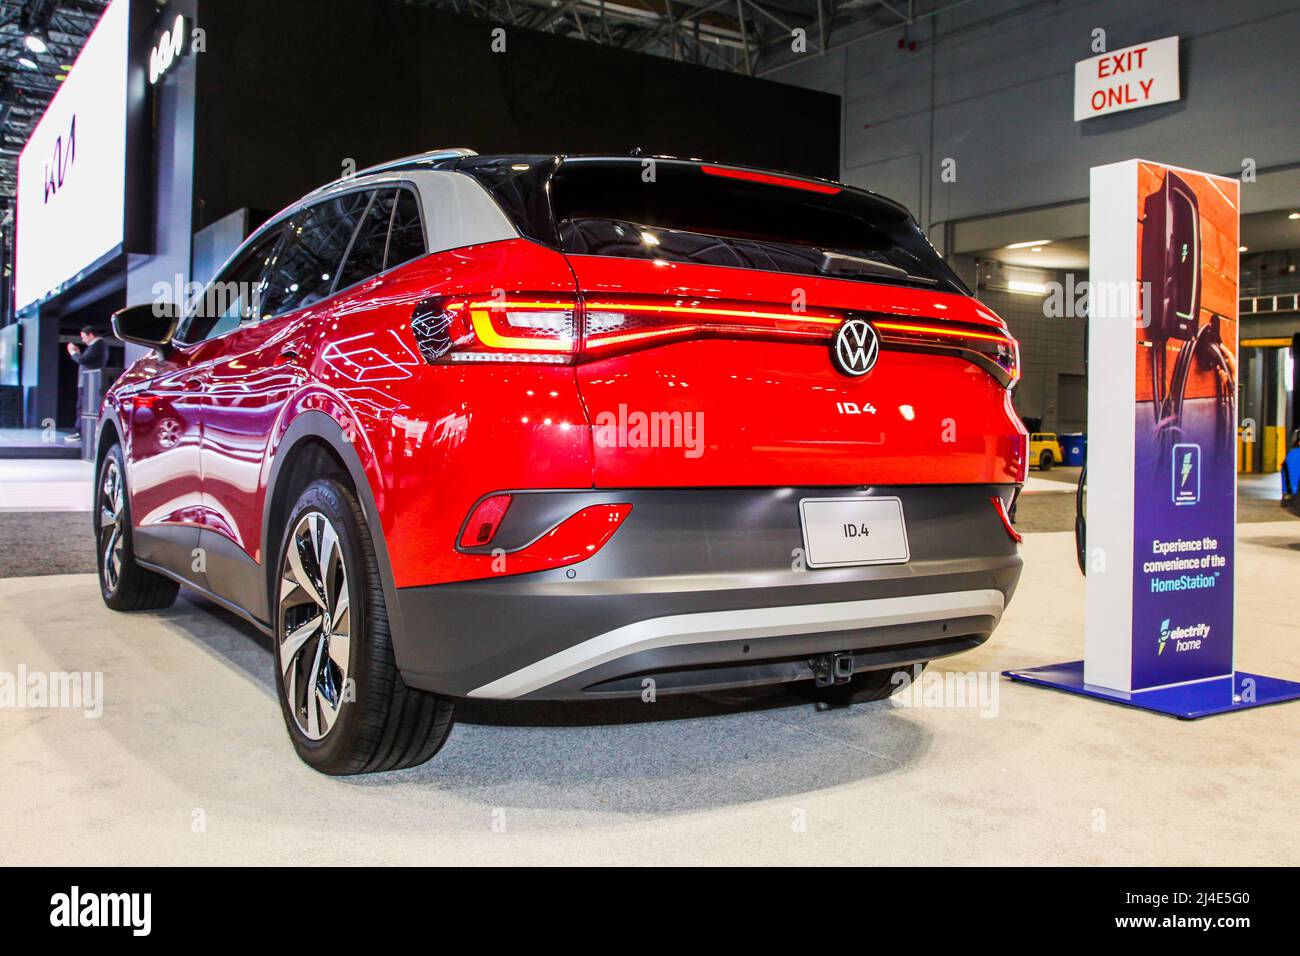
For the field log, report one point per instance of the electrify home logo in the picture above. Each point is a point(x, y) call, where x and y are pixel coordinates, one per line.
point(1185, 638)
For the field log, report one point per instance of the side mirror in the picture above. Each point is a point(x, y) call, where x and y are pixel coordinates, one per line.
point(152, 325)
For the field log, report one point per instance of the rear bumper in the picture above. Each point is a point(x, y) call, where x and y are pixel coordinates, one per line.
point(702, 589)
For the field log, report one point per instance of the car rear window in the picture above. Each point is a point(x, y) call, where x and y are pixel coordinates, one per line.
point(679, 212)
point(630, 207)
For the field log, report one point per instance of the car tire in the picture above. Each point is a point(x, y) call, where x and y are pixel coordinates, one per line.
point(1046, 461)
point(864, 688)
point(344, 703)
point(123, 583)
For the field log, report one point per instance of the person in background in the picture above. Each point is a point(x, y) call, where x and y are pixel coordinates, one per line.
point(93, 356)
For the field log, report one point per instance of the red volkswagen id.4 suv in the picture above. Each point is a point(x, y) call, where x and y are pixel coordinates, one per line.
point(553, 427)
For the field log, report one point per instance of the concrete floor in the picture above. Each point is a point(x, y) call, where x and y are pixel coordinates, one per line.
point(28, 484)
point(190, 763)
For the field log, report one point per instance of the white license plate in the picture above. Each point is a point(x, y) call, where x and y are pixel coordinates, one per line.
point(839, 532)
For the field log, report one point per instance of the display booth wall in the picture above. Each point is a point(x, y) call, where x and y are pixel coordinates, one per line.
point(287, 91)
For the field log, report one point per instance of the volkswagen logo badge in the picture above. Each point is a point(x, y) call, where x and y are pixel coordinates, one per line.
point(856, 347)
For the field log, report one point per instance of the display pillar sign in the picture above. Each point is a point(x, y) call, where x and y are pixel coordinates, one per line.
point(1160, 541)
point(1162, 426)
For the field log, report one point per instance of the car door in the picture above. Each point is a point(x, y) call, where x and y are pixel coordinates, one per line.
point(262, 365)
point(167, 419)
point(163, 420)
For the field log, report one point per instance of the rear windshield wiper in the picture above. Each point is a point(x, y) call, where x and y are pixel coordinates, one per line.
point(837, 263)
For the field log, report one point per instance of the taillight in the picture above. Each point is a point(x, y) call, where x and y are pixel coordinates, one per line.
point(559, 330)
point(518, 328)
point(992, 349)
point(629, 322)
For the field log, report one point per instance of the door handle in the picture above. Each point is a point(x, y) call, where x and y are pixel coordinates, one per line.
point(192, 384)
point(287, 357)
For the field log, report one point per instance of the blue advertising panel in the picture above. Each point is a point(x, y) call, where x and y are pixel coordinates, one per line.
point(1160, 543)
point(1163, 423)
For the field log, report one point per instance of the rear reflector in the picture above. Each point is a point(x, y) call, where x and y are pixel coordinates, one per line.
point(574, 539)
point(1000, 507)
point(789, 182)
point(484, 520)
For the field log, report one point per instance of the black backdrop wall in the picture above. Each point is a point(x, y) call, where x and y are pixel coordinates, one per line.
point(287, 90)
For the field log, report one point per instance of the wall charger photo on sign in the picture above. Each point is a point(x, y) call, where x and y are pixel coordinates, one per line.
point(1171, 266)
point(1171, 259)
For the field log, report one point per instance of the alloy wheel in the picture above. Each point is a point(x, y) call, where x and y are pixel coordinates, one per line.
point(111, 518)
point(315, 625)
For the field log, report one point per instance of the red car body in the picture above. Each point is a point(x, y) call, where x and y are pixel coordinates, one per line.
point(434, 435)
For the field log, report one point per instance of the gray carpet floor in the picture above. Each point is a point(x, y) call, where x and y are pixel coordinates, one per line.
point(34, 543)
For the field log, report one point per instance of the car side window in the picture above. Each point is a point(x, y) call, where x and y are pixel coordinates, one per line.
point(232, 298)
point(304, 269)
point(406, 237)
point(366, 257)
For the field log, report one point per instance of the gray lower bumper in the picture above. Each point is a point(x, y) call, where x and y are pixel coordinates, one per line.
point(702, 589)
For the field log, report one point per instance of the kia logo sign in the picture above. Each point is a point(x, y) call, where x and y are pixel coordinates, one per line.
point(856, 347)
point(167, 50)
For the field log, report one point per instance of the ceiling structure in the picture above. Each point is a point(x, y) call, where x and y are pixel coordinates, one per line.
point(752, 37)
point(28, 77)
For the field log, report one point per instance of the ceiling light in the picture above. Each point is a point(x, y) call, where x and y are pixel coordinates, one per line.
point(1031, 242)
point(1242, 248)
point(1036, 249)
point(1028, 288)
point(35, 42)
point(28, 62)
point(1294, 215)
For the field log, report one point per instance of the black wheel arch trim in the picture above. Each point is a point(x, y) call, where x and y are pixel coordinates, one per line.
point(109, 416)
point(317, 425)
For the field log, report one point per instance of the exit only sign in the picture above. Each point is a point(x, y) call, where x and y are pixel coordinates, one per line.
point(1127, 79)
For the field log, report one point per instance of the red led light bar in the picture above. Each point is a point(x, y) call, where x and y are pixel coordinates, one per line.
point(789, 182)
point(993, 350)
point(560, 330)
point(627, 324)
